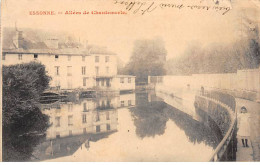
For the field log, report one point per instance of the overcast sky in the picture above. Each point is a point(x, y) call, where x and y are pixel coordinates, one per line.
point(177, 27)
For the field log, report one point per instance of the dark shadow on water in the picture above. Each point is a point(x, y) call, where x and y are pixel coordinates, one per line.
point(20, 138)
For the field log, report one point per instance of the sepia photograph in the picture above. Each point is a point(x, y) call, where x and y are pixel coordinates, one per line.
point(130, 81)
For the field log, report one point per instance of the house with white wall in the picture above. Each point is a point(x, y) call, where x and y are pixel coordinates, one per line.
point(89, 67)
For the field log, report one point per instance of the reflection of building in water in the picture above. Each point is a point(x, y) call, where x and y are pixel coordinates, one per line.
point(73, 124)
point(126, 100)
point(89, 116)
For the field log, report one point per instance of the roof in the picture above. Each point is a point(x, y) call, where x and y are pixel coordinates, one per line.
point(33, 42)
point(65, 51)
point(125, 76)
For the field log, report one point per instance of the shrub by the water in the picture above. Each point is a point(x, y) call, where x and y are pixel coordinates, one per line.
point(22, 86)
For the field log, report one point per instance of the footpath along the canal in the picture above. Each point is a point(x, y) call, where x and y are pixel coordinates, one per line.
point(251, 153)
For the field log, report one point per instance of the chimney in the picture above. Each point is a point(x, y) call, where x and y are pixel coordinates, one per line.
point(17, 38)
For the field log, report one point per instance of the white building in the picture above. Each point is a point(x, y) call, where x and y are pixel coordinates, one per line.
point(72, 68)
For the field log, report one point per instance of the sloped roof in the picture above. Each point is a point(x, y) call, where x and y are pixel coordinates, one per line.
point(32, 44)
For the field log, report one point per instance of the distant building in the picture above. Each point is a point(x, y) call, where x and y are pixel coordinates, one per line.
point(72, 68)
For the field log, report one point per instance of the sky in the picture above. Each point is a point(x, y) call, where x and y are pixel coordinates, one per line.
point(177, 27)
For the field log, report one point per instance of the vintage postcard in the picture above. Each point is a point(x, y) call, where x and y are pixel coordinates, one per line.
point(130, 80)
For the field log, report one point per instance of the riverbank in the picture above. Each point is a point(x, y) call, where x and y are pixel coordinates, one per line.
point(253, 152)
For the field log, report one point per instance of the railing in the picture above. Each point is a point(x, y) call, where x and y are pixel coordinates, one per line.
point(223, 145)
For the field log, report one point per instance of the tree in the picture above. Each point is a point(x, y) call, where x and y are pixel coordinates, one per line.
point(22, 86)
point(148, 59)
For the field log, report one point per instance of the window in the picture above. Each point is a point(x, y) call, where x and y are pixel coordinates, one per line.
point(56, 57)
point(98, 128)
point(129, 80)
point(83, 70)
point(84, 130)
point(97, 117)
point(57, 70)
point(122, 103)
point(3, 56)
point(96, 58)
point(107, 69)
point(121, 80)
point(84, 81)
point(107, 115)
point(84, 118)
point(69, 70)
point(69, 58)
point(57, 135)
point(102, 83)
point(70, 120)
point(57, 110)
point(20, 56)
point(83, 58)
point(85, 107)
point(108, 83)
point(129, 102)
point(70, 132)
point(107, 58)
point(108, 127)
point(70, 107)
point(97, 70)
point(57, 121)
point(35, 56)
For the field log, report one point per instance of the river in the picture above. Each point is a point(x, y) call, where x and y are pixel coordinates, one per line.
point(129, 127)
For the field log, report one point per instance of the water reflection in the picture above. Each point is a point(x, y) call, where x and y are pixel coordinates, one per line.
point(129, 127)
point(151, 114)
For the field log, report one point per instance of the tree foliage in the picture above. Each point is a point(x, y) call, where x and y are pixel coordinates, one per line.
point(243, 54)
point(148, 58)
point(217, 58)
point(22, 87)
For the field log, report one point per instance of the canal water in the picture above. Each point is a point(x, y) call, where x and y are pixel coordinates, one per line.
point(129, 127)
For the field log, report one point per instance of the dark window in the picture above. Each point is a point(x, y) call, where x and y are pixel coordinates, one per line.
point(122, 103)
point(121, 80)
point(56, 57)
point(57, 135)
point(69, 70)
point(83, 70)
point(84, 118)
point(98, 128)
point(97, 117)
point(85, 107)
point(20, 56)
point(57, 70)
point(107, 115)
point(70, 120)
point(129, 102)
point(84, 82)
point(57, 121)
point(96, 58)
point(97, 70)
point(108, 127)
point(35, 56)
point(107, 58)
point(3, 56)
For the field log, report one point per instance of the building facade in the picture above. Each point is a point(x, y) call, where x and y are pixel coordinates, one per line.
point(74, 68)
